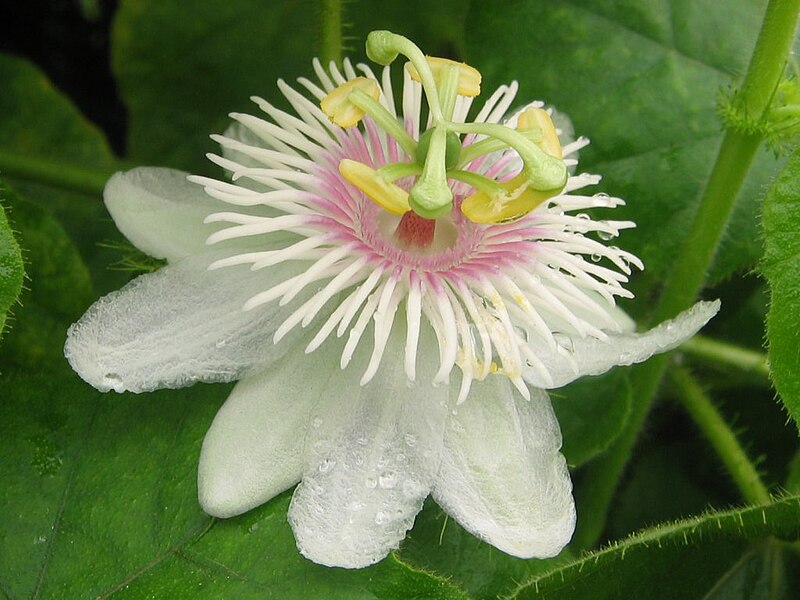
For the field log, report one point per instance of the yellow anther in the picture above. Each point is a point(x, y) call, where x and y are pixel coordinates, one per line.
point(536, 118)
point(517, 200)
point(469, 78)
point(340, 109)
point(385, 194)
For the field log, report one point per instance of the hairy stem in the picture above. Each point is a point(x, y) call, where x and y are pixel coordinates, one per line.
point(728, 355)
point(688, 276)
point(710, 421)
point(330, 26)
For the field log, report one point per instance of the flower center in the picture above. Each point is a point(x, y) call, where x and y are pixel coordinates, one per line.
point(415, 232)
point(438, 156)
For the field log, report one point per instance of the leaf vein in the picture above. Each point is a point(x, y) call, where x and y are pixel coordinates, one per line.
point(61, 506)
point(665, 47)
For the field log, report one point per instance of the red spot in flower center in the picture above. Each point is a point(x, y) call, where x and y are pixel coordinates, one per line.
point(415, 231)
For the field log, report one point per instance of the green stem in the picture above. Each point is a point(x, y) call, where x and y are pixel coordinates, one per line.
point(687, 278)
point(330, 25)
point(689, 272)
point(68, 177)
point(714, 427)
point(729, 355)
point(793, 480)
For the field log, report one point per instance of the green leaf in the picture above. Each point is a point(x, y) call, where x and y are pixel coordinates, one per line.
point(11, 269)
point(641, 80)
point(99, 497)
point(57, 291)
point(442, 545)
point(592, 411)
point(180, 77)
point(708, 554)
point(55, 157)
point(781, 265)
point(181, 71)
point(38, 121)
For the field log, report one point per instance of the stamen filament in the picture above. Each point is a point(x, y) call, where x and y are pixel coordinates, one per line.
point(385, 119)
point(394, 171)
point(477, 181)
point(543, 172)
point(448, 89)
point(489, 145)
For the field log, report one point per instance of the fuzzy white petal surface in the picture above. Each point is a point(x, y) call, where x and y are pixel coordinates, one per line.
point(160, 212)
point(371, 453)
point(594, 357)
point(254, 448)
point(176, 326)
point(502, 476)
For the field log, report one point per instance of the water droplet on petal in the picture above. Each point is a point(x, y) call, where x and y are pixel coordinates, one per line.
point(113, 382)
point(606, 235)
point(596, 257)
point(411, 440)
point(522, 333)
point(381, 517)
point(583, 216)
point(371, 482)
point(355, 506)
point(564, 341)
point(388, 480)
point(601, 200)
point(326, 465)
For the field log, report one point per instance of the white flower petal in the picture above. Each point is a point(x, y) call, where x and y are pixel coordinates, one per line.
point(372, 453)
point(502, 476)
point(160, 212)
point(593, 357)
point(254, 448)
point(177, 326)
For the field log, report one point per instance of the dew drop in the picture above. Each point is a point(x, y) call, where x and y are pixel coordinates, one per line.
point(317, 490)
point(221, 343)
point(601, 200)
point(583, 217)
point(606, 235)
point(355, 506)
point(326, 465)
point(411, 440)
point(388, 480)
point(362, 441)
point(371, 482)
point(596, 257)
point(113, 382)
point(381, 517)
point(564, 341)
point(400, 457)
